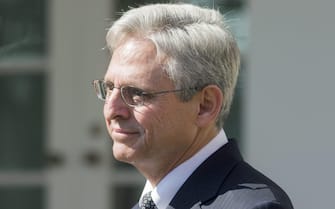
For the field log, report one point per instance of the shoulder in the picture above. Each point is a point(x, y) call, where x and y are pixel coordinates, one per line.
point(244, 187)
point(245, 182)
point(245, 196)
point(136, 206)
point(226, 181)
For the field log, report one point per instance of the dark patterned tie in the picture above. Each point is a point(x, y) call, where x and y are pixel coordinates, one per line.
point(147, 202)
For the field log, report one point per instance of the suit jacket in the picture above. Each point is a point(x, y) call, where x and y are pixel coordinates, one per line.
point(226, 181)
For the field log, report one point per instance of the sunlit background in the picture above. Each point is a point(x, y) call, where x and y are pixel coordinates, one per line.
point(55, 152)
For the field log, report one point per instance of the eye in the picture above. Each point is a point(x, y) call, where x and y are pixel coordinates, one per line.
point(134, 92)
point(132, 95)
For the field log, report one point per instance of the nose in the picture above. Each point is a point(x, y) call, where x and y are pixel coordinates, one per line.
point(114, 107)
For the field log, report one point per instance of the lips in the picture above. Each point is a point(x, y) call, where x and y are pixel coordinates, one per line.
point(122, 134)
point(124, 131)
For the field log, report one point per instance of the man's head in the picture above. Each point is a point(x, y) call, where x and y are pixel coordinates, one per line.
point(198, 47)
point(169, 84)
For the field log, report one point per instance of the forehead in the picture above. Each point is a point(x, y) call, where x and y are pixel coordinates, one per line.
point(135, 60)
point(136, 50)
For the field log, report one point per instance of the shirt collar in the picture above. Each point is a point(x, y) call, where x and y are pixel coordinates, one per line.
point(163, 193)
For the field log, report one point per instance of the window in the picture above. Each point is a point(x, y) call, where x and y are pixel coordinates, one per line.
point(23, 51)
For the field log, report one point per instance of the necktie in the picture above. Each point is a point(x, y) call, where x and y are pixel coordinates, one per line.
point(147, 202)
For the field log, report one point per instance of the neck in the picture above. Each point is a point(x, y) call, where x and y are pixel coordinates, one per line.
point(153, 169)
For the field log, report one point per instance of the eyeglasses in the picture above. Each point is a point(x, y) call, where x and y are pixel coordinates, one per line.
point(130, 95)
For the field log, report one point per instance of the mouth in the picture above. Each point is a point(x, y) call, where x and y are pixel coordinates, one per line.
point(124, 131)
point(120, 134)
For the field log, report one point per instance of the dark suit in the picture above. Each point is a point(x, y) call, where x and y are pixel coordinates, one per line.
point(225, 181)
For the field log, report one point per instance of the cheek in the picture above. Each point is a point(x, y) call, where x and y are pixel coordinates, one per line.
point(181, 121)
point(154, 124)
point(149, 120)
point(160, 126)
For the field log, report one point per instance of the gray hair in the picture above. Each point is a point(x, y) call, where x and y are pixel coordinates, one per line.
point(199, 47)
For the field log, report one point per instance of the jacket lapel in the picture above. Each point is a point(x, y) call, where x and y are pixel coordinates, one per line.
point(206, 180)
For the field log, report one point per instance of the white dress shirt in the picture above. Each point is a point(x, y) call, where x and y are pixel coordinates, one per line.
point(167, 188)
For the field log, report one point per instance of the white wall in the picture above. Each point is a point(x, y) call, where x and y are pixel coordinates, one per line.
point(290, 104)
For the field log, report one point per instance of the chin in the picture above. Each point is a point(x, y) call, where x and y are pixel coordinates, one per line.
point(123, 153)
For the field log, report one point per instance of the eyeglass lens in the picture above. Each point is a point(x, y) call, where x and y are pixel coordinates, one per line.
point(130, 95)
point(100, 89)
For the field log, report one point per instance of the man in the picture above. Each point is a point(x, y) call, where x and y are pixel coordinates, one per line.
point(167, 91)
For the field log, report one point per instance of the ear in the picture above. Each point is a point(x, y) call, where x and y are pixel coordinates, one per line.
point(210, 103)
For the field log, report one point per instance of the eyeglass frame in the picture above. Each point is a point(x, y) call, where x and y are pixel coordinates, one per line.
point(103, 92)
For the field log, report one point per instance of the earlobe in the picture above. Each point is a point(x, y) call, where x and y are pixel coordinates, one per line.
point(210, 103)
